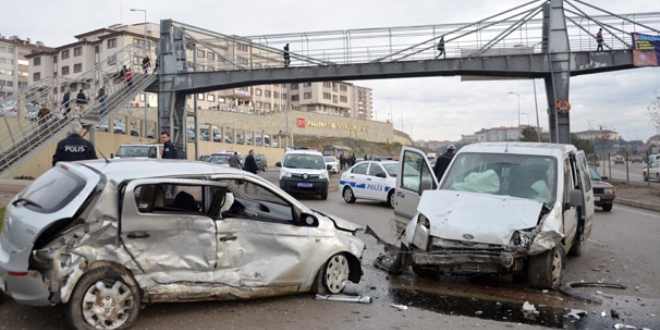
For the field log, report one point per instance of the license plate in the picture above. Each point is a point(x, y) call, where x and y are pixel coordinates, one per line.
point(596, 199)
point(305, 185)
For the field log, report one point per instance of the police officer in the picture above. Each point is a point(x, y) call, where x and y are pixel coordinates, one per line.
point(169, 151)
point(443, 162)
point(74, 147)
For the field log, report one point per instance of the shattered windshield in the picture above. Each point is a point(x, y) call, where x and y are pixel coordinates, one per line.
point(524, 176)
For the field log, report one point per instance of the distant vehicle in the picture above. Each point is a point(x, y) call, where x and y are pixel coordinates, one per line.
point(119, 127)
point(604, 192)
point(333, 162)
point(219, 160)
point(139, 150)
point(8, 109)
point(636, 159)
point(618, 159)
point(304, 171)
point(652, 172)
point(336, 151)
point(370, 180)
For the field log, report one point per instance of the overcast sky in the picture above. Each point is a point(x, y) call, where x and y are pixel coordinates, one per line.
point(440, 108)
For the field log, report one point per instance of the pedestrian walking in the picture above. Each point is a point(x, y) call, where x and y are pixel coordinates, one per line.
point(81, 100)
point(129, 77)
point(122, 76)
point(100, 97)
point(146, 63)
point(599, 39)
point(169, 150)
point(342, 162)
point(234, 161)
point(441, 48)
point(287, 56)
point(74, 147)
point(352, 159)
point(156, 66)
point(251, 163)
point(66, 102)
point(443, 162)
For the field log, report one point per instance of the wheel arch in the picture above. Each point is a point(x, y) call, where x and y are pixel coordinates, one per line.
point(67, 289)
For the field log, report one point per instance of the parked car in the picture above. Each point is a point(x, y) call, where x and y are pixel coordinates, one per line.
point(139, 150)
point(369, 180)
point(303, 171)
point(219, 160)
point(119, 127)
point(604, 192)
point(515, 208)
point(8, 109)
point(652, 171)
point(104, 238)
point(636, 159)
point(618, 159)
point(333, 162)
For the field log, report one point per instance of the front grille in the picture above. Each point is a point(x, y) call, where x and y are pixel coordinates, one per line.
point(599, 191)
point(309, 176)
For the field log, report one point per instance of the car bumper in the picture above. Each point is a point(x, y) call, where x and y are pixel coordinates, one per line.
point(298, 186)
point(470, 262)
point(27, 289)
point(601, 200)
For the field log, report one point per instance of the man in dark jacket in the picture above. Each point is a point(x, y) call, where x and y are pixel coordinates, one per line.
point(169, 150)
point(100, 97)
point(251, 163)
point(81, 99)
point(66, 102)
point(443, 162)
point(74, 147)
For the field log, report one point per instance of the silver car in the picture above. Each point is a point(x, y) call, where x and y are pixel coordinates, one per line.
point(104, 238)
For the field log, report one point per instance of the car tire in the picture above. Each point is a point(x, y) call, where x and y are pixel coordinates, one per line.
point(390, 198)
point(332, 276)
point(607, 207)
point(102, 289)
point(578, 245)
point(424, 272)
point(546, 270)
point(349, 196)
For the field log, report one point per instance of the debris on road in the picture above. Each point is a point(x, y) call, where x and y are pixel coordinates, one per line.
point(344, 298)
point(569, 289)
point(401, 307)
point(529, 311)
point(614, 314)
point(620, 326)
point(576, 314)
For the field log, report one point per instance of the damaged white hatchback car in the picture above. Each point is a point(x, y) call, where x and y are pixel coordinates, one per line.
point(104, 238)
point(500, 208)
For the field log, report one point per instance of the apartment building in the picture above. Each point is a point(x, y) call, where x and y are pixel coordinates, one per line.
point(500, 134)
point(14, 64)
point(592, 135)
point(69, 61)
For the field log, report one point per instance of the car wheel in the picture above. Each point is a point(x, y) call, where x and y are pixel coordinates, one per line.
point(424, 272)
point(547, 269)
point(390, 198)
point(348, 195)
point(607, 207)
point(324, 195)
point(104, 297)
point(333, 275)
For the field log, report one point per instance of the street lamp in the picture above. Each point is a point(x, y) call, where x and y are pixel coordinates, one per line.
point(145, 54)
point(526, 114)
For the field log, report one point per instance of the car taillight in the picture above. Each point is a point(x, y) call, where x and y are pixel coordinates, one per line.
point(18, 273)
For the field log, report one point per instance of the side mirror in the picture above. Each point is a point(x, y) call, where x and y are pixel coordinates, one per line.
point(278, 164)
point(576, 198)
point(381, 175)
point(307, 220)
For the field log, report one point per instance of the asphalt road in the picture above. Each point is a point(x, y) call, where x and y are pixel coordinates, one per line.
point(622, 249)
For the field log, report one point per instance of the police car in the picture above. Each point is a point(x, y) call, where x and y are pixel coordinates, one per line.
point(369, 180)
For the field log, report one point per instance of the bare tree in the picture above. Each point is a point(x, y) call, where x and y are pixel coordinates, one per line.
point(653, 110)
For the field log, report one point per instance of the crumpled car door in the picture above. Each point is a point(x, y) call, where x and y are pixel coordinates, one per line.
point(415, 175)
point(169, 247)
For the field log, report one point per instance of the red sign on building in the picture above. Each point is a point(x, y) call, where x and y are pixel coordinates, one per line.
point(301, 122)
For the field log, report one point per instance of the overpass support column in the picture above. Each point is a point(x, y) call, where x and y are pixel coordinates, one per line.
point(171, 105)
point(557, 84)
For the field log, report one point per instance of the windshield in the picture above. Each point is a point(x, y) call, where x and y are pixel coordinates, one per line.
point(594, 175)
point(136, 151)
point(391, 168)
point(524, 176)
point(304, 161)
point(219, 160)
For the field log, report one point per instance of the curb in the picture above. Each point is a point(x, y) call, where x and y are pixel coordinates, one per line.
point(638, 204)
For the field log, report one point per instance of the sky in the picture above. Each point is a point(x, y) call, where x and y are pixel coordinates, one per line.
point(439, 108)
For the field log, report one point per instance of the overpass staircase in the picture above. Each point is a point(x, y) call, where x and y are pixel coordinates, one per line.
point(26, 136)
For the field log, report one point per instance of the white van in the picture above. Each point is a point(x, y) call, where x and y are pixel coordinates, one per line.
point(303, 171)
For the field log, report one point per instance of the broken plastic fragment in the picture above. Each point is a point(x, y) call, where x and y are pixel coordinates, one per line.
point(343, 298)
point(619, 326)
point(603, 313)
point(400, 307)
point(576, 314)
point(529, 311)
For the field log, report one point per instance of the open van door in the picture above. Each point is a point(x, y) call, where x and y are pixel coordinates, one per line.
point(589, 200)
point(415, 175)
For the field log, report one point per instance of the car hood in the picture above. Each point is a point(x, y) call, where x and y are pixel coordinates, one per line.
point(601, 184)
point(478, 218)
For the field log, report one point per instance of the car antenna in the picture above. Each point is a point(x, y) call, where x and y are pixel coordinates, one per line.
point(102, 155)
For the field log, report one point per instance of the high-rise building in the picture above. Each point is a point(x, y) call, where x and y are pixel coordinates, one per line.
point(14, 65)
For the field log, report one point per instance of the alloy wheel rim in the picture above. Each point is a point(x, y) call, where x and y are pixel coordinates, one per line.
point(348, 194)
point(336, 273)
point(556, 267)
point(107, 304)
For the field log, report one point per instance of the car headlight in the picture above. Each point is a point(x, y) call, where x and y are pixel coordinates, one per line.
point(286, 174)
point(424, 221)
point(323, 175)
point(521, 239)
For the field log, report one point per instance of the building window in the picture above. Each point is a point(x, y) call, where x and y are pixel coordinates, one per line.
point(276, 95)
point(343, 88)
point(210, 97)
point(97, 49)
point(242, 47)
point(22, 84)
point(267, 106)
point(334, 99)
point(242, 60)
point(210, 68)
point(201, 54)
point(65, 70)
point(36, 76)
point(200, 67)
point(77, 51)
point(55, 59)
point(258, 104)
point(327, 96)
point(343, 99)
point(37, 61)
point(266, 93)
point(200, 96)
point(327, 84)
point(65, 54)
point(294, 86)
point(77, 68)
point(257, 92)
point(295, 98)
point(311, 108)
point(307, 84)
point(112, 43)
point(221, 99)
point(307, 96)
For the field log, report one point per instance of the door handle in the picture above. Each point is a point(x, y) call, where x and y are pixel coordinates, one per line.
point(588, 198)
point(138, 235)
point(228, 238)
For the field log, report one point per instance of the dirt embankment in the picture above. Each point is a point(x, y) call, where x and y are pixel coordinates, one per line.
point(360, 148)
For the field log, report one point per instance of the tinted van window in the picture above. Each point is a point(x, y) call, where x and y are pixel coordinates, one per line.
point(53, 190)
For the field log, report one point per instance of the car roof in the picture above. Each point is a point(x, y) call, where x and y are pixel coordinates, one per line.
point(128, 169)
point(520, 148)
point(142, 144)
point(303, 151)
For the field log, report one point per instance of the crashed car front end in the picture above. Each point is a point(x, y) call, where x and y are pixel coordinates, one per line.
point(455, 237)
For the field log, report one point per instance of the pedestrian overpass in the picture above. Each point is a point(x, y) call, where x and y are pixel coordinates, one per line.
point(548, 39)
